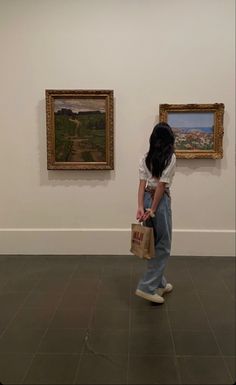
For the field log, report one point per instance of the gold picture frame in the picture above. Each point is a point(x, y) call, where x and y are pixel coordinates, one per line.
point(198, 129)
point(80, 129)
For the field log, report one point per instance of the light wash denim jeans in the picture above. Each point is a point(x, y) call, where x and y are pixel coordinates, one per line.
point(154, 278)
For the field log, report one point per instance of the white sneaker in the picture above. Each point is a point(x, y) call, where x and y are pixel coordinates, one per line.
point(167, 289)
point(150, 297)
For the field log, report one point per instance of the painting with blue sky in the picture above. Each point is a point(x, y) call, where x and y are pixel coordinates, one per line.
point(193, 131)
point(198, 128)
point(204, 121)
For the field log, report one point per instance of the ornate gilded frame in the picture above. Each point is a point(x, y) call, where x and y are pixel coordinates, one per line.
point(212, 138)
point(80, 132)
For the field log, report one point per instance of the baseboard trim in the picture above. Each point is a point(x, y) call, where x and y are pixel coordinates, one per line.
point(110, 241)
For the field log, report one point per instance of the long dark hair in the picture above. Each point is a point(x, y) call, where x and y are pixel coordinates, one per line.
point(161, 149)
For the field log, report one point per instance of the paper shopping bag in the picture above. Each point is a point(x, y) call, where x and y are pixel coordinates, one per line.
point(142, 241)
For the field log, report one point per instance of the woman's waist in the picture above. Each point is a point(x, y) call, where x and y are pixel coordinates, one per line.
point(151, 190)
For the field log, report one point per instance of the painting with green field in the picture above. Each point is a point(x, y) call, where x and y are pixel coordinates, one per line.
point(82, 130)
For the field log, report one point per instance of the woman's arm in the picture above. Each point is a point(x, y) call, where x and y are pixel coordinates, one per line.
point(160, 189)
point(141, 189)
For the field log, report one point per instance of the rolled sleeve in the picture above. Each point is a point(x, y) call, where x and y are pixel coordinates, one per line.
point(143, 175)
point(168, 173)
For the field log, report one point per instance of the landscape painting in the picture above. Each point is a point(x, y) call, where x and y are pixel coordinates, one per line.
point(198, 129)
point(80, 129)
point(193, 130)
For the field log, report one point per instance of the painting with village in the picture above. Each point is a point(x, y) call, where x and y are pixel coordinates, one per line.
point(193, 131)
point(194, 139)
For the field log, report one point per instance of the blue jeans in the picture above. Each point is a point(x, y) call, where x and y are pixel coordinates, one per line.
point(154, 278)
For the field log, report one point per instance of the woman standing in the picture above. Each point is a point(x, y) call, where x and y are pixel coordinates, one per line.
point(156, 172)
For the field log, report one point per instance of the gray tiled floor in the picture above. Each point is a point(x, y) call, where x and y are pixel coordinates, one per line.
point(76, 320)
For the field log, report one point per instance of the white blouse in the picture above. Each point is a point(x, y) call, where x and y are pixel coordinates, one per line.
point(166, 176)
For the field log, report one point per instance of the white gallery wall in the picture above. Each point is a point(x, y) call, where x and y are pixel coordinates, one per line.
point(149, 52)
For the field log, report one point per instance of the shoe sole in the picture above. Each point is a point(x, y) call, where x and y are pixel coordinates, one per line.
point(149, 297)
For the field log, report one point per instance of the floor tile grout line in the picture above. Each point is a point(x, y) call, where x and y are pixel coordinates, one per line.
point(174, 347)
point(200, 356)
point(30, 279)
point(228, 289)
point(223, 281)
point(197, 331)
point(121, 354)
point(212, 331)
point(20, 307)
point(90, 322)
point(46, 330)
point(80, 354)
point(130, 321)
point(107, 356)
point(23, 302)
point(6, 283)
point(17, 311)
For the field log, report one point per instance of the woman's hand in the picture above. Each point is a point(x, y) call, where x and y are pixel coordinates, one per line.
point(146, 215)
point(140, 214)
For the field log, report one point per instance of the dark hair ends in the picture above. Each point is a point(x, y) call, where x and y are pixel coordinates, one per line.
point(161, 149)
